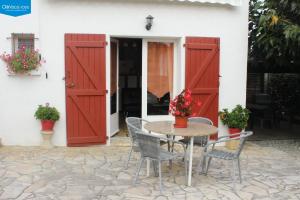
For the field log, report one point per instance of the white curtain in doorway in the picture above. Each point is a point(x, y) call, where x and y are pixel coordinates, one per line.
point(160, 68)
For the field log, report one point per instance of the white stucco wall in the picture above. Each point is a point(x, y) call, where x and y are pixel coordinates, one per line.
point(51, 19)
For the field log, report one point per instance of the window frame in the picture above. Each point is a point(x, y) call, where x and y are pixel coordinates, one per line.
point(15, 40)
point(176, 65)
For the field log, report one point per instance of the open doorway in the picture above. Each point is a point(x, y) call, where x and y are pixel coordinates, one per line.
point(126, 76)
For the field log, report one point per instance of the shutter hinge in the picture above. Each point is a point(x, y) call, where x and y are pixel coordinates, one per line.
point(184, 45)
point(106, 91)
point(106, 43)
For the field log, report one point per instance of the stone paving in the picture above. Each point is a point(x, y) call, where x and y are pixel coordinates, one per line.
point(98, 173)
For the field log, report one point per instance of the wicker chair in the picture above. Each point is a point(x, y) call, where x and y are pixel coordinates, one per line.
point(149, 146)
point(134, 124)
point(199, 140)
point(226, 155)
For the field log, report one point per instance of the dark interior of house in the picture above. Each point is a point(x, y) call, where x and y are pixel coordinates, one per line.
point(130, 75)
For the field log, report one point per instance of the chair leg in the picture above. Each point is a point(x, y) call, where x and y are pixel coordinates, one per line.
point(207, 166)
point(186, 148)
point(173, 138)
point(239, 167)
point(170, 149)
point(160, 179)
point(154, 163)
point(129, 156)
point(233, 174)
point(201, 164)
point(170, 146)
point(138, 171)
point(170, 164)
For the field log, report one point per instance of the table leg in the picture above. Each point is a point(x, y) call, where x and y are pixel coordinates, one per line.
point(190, 161)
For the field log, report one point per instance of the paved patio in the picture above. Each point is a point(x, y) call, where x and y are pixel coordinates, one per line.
point(98, 173)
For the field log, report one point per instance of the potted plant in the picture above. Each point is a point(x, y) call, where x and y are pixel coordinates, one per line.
point(48, 116)
point(23, 61)
point(236, 120)
point(181, 108)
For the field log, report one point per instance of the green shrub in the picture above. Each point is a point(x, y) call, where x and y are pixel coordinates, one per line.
point(47, 113)
point(237, 118)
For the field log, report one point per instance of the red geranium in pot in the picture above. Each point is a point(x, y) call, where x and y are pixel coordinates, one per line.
point(48, 116)
point(181, 108)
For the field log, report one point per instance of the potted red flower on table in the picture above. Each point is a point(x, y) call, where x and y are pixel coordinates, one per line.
point(181, 108)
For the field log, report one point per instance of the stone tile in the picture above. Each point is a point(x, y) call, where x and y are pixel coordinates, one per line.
point(13, 190)
point(98, 173)
point(229, 195)
point(245, 195)
point(257, 191)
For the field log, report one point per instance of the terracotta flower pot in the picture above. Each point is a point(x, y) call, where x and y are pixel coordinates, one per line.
point(233, 144)
point(47, 125)
point(180, 122)
point(234, 131)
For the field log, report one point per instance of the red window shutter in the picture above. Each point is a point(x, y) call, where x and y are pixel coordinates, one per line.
point(202, 75)
point(85, 89)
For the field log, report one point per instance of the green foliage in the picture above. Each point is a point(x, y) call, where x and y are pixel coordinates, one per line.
point(285, 91)
point(274, 31)
point(237, 118)
point(47, 113)
point(22, 61)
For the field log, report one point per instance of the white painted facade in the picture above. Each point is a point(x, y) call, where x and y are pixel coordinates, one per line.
point(51, 19)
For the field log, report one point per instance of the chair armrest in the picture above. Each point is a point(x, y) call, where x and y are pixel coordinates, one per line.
point(165, 139)
point(216, 142)
point(223, 139)
point(230, 136)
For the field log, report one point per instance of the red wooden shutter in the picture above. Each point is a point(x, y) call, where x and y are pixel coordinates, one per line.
point(85, 89)
point(202, 75)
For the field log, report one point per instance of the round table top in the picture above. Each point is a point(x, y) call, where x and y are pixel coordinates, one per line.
point(193, 128)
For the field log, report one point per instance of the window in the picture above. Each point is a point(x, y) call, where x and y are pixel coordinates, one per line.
point(21, 39)
point(160, 77)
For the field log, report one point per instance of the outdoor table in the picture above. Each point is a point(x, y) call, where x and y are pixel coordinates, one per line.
point(193, 129)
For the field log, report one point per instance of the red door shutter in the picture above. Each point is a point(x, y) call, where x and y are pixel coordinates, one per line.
point(202, 75)
point(85, 89)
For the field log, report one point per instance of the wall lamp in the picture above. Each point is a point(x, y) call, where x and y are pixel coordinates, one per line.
point(149, 22)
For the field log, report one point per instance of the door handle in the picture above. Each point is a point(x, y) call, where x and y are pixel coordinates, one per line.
point(71, 85)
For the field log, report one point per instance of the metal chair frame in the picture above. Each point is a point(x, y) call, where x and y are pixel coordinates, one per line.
point(226, 155)
point(199, 140)
point(150, 148)
point(134, 124)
